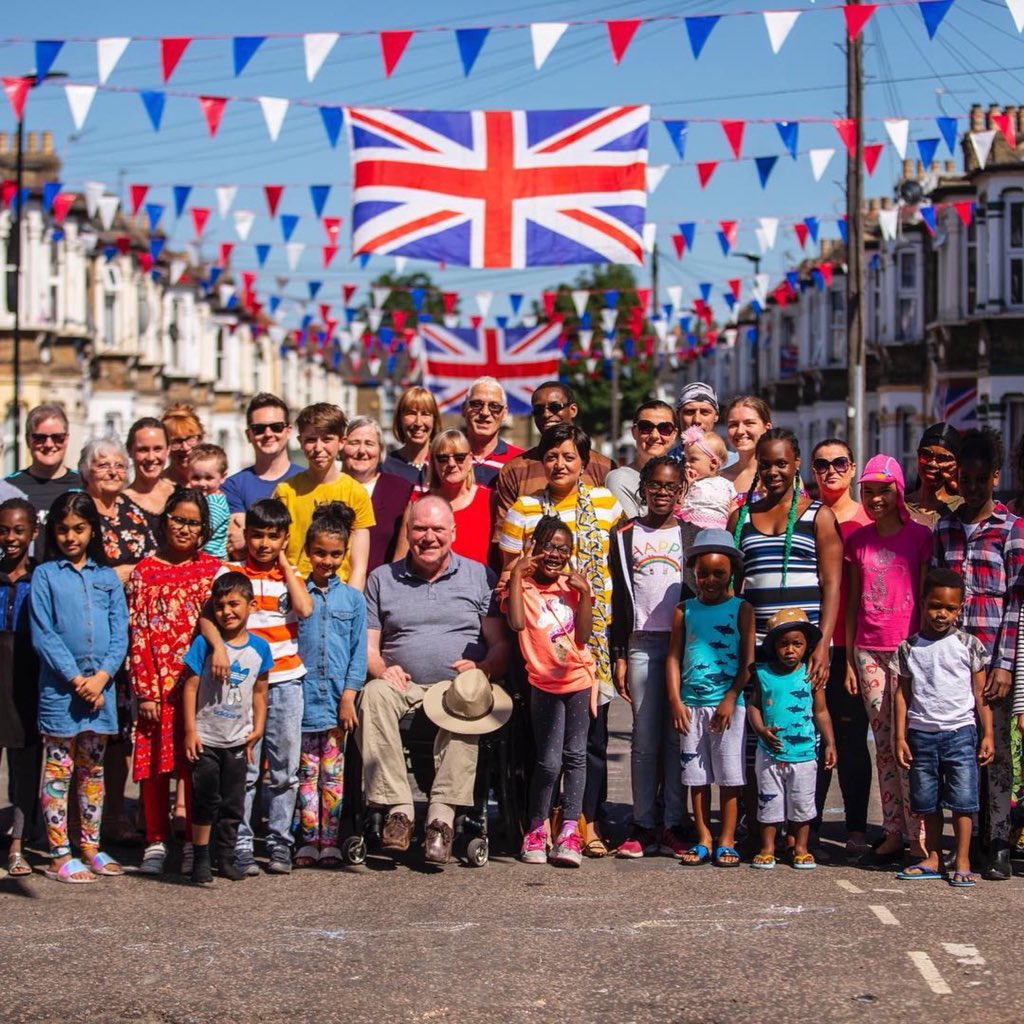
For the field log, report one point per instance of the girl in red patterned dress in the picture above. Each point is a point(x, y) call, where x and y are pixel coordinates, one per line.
point(166, 593)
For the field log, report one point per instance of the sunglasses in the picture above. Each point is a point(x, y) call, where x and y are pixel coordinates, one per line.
point(259, 429)
point(649, 426)
point(185, 524)
point(539, 408)
point(446, 457)
point(937, 458)
point(840, 465)
point(54, 438)
point(478, 405)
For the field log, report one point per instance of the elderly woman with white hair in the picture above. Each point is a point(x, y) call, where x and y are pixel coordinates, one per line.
point(362, 456)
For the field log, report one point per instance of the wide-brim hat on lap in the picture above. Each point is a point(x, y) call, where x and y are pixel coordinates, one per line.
point(714, 541)
point(784, 621)
point(469, 704)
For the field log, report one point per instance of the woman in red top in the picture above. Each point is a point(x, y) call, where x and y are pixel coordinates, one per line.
point(166, 593)
point(450, 476)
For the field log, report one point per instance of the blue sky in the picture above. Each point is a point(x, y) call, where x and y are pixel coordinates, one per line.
point(977, 56)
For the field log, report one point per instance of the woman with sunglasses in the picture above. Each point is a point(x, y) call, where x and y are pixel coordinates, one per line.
point(654, 434)
point(746, 419)
point(47, 477)
point(450, 476)
point(936, 475)
point(834, 473)
point(184, 432)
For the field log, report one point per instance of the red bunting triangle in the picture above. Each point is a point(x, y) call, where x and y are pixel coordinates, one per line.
point(145, 262)
point(620, 35)
point(1005, 123)
point(7, 191)
point(200, 215)
point(728, 228)
point(330, 251)
point(644, 295)
point(248, 279)
point(781, 294)
point(964, 210)
point(332, 225)
point(347, 291)
point(63, 202)
point(225, 252)
point(857, 16)
point(801, 234)
point(170, 53)
point(392, 46)
point(734, 134)
point(871, 154)
point(17, 92)
point(705, 170)
point(138, 196)
point(847, 129)
point(735, 284)
point(124, 244)
point(213, 111)
point(398, 318)
point(549, 302)
point(449, 299)
point(273, 194)
point(680, 245)
point(825, 269)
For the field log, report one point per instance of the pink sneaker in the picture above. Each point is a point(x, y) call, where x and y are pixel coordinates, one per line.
point(641, 841)
point(535, 847)
point(568, 851)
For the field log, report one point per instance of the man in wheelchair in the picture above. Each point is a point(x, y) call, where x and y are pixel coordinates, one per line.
point(431, 616)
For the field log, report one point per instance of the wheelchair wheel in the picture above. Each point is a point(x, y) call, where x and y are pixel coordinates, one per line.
point(477, 852)
point(353, 850)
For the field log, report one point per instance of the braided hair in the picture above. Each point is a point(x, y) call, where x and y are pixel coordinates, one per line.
point(656, 463)
point(546, 528)
point(787, 436)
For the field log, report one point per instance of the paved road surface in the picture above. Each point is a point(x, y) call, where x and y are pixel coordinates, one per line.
point(616, 941)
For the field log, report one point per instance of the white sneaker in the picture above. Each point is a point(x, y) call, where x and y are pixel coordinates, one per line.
point(535, 847)
point(153, 859)
point(188, 857)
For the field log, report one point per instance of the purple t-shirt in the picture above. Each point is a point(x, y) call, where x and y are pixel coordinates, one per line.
point(890, 578)
point(245, 488)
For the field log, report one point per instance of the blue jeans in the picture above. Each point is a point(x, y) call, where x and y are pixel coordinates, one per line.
point(282, 745)
point(945, 767)
point(654, 742)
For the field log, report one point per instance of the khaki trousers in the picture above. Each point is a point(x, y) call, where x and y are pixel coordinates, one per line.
point(385, 780)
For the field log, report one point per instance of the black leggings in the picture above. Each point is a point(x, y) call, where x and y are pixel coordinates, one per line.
point(850, 726)
point(596, 792)
point(560, 723)
point(218, 792)
point(24, 769)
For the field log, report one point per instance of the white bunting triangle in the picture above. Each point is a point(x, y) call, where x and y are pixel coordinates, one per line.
point(107, 209)
point(243, 223)
point(293, 253)
point(675, 295)
point(483, 302)
point(607, 347)
point(982, 143)
point(380, 296)
point(898, 129)
point(400, 264)
point(887, 220)
point(274, 110)
point(591, 365)
point(762, 240)
point(653, 175)
point(528, 320)
point(451, 321)
point(374, 318)
point(108, 52)
point(80, 99)
point(373, 365)
point(344, 341)
point(820, 159)
point(225, 197)
point(224, 293)
point(608, 318)
point(317, 46)
point(545, 35)
point(586, 338)
point(779, 25)
point(1017, 11)
point(93, 191)
point(358, 328)
point(650, 235)
point(770, 228)
point(580, 298)
point(178, 268)
point(660, 329)
point(761, 288)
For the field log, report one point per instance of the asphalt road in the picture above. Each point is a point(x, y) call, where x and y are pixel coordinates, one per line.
point(616, 941)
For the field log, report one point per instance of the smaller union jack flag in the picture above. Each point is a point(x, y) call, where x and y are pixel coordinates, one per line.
point(956, 402)
point(520, 357)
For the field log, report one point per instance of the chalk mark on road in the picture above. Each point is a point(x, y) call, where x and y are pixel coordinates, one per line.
point(932, 978)
point(884, 915)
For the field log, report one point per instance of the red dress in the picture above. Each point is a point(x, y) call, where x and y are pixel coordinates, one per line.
point(164, 603)
point(474, 526)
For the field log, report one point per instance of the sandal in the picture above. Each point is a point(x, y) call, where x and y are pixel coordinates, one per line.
point(763, 861)
point(917, 873)
point(722, 852)
point(698, 851)
point(17, 866)
point(330, 857)
point(307, 856)
point(103, 864)
point(804, 861)
point(68, 869)
point(592, 843)
point(963, 879)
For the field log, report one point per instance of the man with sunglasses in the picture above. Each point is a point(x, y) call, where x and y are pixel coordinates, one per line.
point(654, 433)
point(46, 478)
point(484, 411)
point(553, 402)
point(268, 429)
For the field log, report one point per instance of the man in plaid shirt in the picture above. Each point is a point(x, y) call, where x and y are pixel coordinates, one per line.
point(984, 542)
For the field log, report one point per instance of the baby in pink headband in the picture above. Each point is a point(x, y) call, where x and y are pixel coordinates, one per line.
point(709, 498)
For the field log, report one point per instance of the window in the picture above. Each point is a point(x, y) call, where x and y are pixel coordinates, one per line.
point(906, 441)
point(971, 268)
point(218, 359)
point(109, 320)
point(1015, 254)
point(837, 325)
point(906, 301)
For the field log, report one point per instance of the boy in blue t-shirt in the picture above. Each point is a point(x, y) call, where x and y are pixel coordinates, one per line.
point(223, 723)
point(784, 711)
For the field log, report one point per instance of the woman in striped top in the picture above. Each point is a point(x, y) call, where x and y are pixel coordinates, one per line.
point(792, 551)
point(590, 513)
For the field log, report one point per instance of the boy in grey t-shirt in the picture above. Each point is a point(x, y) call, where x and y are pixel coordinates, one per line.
point(223, 722)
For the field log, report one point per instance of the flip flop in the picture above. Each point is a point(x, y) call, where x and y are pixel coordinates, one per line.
point(963, 879)
point(698, 850)
point(763, 862)
point(726, 851)
point(69, 868)
point(103, 864)
point(17, 866)
point(917, 873)
point(804, 861)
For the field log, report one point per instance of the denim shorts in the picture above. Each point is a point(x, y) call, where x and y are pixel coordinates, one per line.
point(945, 767)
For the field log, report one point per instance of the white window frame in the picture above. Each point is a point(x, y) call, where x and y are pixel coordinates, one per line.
point(836, 326)
point(907, 295)
point(1014, 253)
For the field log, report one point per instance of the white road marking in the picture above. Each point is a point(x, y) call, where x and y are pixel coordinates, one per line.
point(966, 956)
point(899, 891)
point(848, 886)
point(923, 962)
point(884, 914)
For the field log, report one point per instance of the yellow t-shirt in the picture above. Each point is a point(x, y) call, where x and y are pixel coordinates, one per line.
point(301, 494)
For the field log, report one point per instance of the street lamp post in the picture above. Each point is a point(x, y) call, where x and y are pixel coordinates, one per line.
point(755, 258)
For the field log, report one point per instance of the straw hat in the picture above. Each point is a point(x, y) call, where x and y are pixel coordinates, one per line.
point(469, 704)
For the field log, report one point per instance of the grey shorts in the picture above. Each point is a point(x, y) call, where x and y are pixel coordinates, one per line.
point(713, 758)
point(785, 789)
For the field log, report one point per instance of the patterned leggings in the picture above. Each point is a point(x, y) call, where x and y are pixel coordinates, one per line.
point(321, 781)
point(878, 684)
point(82, 754)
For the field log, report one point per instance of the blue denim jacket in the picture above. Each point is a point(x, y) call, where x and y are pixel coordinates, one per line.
point(79, 626)
point(332, 646)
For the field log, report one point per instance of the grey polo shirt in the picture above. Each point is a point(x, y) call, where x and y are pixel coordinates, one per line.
point(425, 625)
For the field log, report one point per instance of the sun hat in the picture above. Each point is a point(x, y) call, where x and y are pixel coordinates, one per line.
point(714, 541)
point(883, 469)
point(469, 704)
point(783, 621)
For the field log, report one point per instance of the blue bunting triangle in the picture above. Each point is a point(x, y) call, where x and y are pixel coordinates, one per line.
point(470, 41)
point(698, 29)
point(418, 295)
point(214, 276)
point(515, 300)
point(947, 125)
point(723, 241)
point(46, 54)
point(730, 299)
point(765, 166)
point(793, 279)
point(843, 232)
point(154, 211)
point(154, 104)
point(262, 252)
point(156, 246)
point(289, 221)
point(314, 288)
point(688, 230)
point(318, 194)
point(705, 290)
point(926, 150)
point(333, 119)
point(677, 133)
point(50, 191)
point(181, 194)
point(789, 132)
point(109, 252)
point(812, 228)
point(611, 298)
point(364, 258)
point(275, 302)
point(928, 216)
point(933, 11)
point(243, 48)
point(502, 322)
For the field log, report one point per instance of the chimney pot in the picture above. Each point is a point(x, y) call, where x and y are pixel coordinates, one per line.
point(993, 108)
point(47, 143)
point(951, 167)
point(3, 142)
point(920, 170)
point(33, 143)
point(908, 169)
point(977, 118)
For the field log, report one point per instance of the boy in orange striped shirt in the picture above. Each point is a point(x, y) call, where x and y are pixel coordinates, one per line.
point(281, 600)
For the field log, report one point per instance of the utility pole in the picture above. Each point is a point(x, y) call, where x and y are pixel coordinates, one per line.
point(659, 356)
point(856, 365)
point(15, 238)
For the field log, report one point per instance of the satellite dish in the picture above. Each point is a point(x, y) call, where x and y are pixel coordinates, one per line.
point(911, 193)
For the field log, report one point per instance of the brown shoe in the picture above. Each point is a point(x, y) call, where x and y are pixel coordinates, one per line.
point(438, 843)
point(397, 832)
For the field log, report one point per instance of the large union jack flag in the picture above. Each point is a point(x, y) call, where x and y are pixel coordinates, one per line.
point(500, 188)
point(520, 357)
